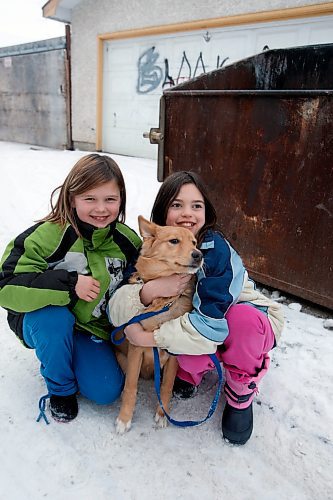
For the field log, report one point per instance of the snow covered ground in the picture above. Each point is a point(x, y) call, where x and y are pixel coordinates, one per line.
point(290, 455)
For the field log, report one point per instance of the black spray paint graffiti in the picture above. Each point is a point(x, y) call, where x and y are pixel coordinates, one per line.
point(150, 74)
point(218, 65)
point(185, 67)
point(168, 80)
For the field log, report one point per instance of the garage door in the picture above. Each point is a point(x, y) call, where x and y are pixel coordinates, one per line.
point(137, 70)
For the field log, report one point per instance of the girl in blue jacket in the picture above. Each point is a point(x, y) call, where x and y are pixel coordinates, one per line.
point(229, 316)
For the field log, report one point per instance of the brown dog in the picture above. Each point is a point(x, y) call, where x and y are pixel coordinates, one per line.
point(165, 251)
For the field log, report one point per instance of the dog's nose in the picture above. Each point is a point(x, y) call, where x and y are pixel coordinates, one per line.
point(196, 255)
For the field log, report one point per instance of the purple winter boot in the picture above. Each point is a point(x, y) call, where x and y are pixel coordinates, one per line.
point(240, 388)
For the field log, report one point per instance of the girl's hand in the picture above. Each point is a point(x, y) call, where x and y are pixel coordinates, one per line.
point(168, 286)
point(87, 288)
point(136, 335)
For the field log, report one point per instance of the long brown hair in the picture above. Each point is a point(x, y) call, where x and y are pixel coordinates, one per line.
point(169, 191)
point(89, 172)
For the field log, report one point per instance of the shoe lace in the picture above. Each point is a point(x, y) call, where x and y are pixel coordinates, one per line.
point(42, 406)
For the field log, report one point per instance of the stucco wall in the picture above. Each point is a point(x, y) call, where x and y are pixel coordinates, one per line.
point(91, 18)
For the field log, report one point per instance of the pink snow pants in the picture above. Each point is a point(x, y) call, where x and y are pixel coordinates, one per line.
point(249, 340)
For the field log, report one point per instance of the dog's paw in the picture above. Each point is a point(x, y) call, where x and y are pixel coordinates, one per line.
point(122, 427)
point(161, 420)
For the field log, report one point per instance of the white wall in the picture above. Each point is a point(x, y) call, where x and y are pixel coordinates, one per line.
point(91, 18)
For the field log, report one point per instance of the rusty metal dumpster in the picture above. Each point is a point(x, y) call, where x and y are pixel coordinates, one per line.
point(260, 133)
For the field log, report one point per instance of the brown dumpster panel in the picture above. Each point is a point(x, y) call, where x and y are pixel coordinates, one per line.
point(290, 69)
point(267, 158)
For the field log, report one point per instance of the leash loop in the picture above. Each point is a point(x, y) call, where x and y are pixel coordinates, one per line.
point(187, 423)
point(42, 406)
point(157, 370)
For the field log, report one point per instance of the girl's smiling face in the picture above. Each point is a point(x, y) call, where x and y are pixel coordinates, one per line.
point(100, 205)
point(187, 209)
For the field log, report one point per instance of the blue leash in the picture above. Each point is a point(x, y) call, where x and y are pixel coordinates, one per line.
point(135, 319)
point(157, 371)
point(187, 423)
point(42, 406)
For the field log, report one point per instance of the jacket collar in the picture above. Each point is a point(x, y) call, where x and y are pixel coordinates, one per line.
point(95, 235)
point(208, 241)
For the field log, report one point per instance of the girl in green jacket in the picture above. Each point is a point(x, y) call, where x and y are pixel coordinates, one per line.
point(57, 277)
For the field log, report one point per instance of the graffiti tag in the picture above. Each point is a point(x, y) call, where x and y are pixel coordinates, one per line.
point(149, 74)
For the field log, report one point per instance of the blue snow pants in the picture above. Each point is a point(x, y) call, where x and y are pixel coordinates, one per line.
point(72, 361)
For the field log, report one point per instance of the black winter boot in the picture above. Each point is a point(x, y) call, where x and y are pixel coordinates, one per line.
point(183, 389)
point(237, 425)
point(63, 408)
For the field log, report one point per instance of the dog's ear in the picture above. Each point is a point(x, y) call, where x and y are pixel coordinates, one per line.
point(147, 229)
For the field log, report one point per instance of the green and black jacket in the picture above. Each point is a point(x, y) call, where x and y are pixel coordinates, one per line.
point(40, 268)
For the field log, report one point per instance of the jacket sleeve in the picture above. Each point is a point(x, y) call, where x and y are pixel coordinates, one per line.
point(219, 285)
point(26, 283)
point(177, 336)
point(124, 304)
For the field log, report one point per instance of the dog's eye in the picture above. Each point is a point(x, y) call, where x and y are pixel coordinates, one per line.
point(174, 241)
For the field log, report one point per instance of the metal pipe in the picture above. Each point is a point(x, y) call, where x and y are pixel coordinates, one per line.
point(269, 93)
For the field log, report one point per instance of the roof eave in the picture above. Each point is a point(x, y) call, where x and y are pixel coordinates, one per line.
point(59, 10)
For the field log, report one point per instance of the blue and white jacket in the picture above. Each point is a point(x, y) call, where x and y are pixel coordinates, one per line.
point(222, 282)
point(219, 284)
